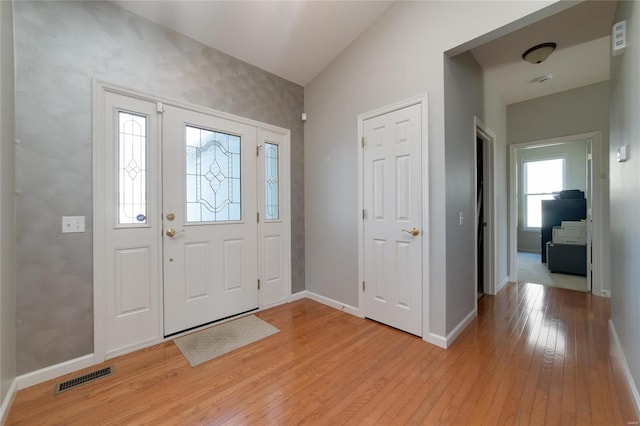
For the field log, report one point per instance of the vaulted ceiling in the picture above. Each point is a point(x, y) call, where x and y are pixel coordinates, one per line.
point(296, 40)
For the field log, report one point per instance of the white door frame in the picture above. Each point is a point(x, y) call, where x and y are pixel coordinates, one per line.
point(422, 101)
point(596, 203)
point(100, 174)
point(489, 137)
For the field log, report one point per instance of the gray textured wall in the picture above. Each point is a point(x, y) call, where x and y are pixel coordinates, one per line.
point(7, 204)
point(59, 48)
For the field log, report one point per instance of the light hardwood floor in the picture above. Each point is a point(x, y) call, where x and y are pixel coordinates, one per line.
point(534, 355)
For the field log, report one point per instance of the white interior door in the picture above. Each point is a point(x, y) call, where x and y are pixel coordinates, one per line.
point(210, 219)
point(393, 218)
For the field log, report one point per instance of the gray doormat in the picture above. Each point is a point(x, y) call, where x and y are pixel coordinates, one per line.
point(212, 342)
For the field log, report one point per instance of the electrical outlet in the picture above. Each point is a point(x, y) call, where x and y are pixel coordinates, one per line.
point(72, 224)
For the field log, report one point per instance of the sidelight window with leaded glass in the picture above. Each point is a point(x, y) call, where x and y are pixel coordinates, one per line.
point(132, 171)
point(272, 181)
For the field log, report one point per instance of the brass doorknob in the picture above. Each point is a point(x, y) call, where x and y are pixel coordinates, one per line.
point(172, 232)
point(414, 232)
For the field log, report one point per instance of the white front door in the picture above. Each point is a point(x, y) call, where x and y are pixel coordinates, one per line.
point(191, 214)
point(210, 235)
point(393, 218)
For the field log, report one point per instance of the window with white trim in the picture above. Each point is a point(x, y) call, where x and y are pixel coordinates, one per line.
point(541, 178)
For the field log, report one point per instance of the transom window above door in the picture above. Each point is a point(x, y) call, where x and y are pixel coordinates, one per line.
point(541, 179)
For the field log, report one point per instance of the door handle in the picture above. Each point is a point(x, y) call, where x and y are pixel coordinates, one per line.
point(414, 232)
point(172, 232)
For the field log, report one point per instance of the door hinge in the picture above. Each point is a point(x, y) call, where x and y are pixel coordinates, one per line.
point(589, 156)
point(258, 217)
point(257, 150)
point(362, 141)
point(364, 286)
point(258, 284)
point(159, 107)
point(364, 214)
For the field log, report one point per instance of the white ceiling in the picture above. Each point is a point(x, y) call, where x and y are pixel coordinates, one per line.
point(295, 40)
point(581, 58)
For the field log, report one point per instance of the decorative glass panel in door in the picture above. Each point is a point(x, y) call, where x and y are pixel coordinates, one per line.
point(210, 249)
point(213, 176)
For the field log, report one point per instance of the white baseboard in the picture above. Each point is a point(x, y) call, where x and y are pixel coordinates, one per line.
point(53, 371)
point(605, 293)
point(333, 303)
point(501, 284)
point(7, 401)
point(435, 339)
point(625, 367)
point(446, 342)
point(297, 296)
point(451, 337)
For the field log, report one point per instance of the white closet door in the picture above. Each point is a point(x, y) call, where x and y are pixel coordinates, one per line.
point(393, 226)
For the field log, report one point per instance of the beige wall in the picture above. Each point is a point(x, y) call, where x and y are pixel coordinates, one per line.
point(7, 204)
point(399, 56)
point(625, 191)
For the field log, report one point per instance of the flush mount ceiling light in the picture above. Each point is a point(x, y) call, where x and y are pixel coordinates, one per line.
point(539, 53)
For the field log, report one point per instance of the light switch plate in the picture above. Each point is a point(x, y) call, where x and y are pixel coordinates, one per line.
point(623, 153)
point(72, 224)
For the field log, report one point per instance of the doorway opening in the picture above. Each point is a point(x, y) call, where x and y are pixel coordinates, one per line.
point(485, 238)
point(555, 234)
point(480, 216)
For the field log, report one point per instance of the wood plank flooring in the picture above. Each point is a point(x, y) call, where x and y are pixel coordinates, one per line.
point(534, 355)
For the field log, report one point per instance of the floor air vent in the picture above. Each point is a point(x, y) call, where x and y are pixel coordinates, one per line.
point(77, 381)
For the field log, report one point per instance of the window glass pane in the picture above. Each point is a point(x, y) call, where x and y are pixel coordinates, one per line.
point(544, 176)
point(213, 176)
point(271, 181)
point(132, 169)
point(533, 208)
